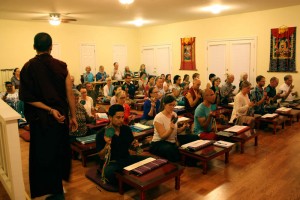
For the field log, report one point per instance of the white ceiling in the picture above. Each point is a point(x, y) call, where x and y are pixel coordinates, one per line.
point(112, 13)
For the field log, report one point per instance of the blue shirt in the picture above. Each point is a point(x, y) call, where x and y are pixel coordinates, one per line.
point(202, 111)
point(101, 76)
point(88, 77)
point(147, 107)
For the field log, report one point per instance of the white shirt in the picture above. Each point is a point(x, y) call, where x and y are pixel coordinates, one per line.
point(118, 75)
point(165, 121)
point(113, 100)
point(240, 106)
point(284, 88)
point(89, 105)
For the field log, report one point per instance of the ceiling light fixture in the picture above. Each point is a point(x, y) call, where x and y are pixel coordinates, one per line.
point(138, 22)
point(126, 2)
point(215, 9)
point(54, 19)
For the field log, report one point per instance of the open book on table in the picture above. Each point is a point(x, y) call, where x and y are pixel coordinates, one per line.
point(237, 129)
point(222, 143)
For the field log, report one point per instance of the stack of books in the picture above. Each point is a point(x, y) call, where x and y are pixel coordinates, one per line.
point(197, 145)
point(145, 166)
point(225, 134)
point(270, 116)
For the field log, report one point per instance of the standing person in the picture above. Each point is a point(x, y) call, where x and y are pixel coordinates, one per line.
point(15, 80)
point(46, 90)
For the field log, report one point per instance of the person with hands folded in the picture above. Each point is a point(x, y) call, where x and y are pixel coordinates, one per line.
point(243, 107)
point(205, 115)
point(114, 143)
point(151, 107)
point(165, 139)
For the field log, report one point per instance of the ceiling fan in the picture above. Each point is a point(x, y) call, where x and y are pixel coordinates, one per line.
point(56, 18)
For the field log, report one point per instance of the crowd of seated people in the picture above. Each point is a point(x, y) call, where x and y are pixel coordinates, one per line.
point(161, 96)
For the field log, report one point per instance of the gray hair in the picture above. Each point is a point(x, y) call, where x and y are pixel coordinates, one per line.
point(76, 93)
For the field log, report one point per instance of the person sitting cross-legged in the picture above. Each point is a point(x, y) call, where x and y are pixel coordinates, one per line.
point(167, 135)
point(114, 143)
point(205, 115)
point(243, 108)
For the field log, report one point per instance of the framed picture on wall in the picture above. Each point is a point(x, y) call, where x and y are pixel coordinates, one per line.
point(188, 58)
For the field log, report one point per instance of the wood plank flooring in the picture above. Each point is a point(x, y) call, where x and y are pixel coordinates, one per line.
point(269, 171)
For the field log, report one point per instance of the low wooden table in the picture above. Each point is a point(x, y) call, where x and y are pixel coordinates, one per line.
point(206, 154)
point(291, 115)
point(244, 137)
point(84, 150)
point(151, 179)
point(279, 120)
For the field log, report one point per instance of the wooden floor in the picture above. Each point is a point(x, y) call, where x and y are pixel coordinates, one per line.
point(269, 171)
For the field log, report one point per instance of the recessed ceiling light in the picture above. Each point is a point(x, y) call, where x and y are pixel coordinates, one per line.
point(215, 9)
point(126, 2)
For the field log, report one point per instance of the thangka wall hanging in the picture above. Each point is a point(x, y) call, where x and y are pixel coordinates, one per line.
point(283, 49)
point(188, 58)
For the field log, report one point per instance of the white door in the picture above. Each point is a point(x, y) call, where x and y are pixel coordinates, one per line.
point(88, 57)
point(163, 60)
point(148, 59)
point(232, 56)
point(157, 59)
point(120, 56)
point(216, 59)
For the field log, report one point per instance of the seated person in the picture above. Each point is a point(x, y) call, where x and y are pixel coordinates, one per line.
point(286, 89)
point(88, 76)
point(129, 87)
point(101, 75)
point(271, 101)
point(210, 78)
point(159, 86)
point(185, 84)
point(86, 101)
point(121, 99)
point(142, 83)
point(205, 115)
point(193, 97)
point(243, 77)
point(259, 96)
point(150, 83)
point(216, 88)
point(165, 138)
point(242, 107)
point(227, 95)
point(91, 92)
point(11, 95)
point(116, 147)
point(113, 99)
point(82, 118)
point(179, 98)
point(127, 71)
point(108, 90)
point(143, 69)
point(15, 79)
point(116, 74)
point(167, 85)
point(151, 107)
